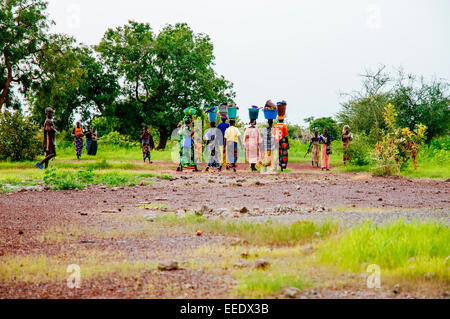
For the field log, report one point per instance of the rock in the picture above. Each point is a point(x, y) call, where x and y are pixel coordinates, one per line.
point(258, 183)
point(150, 217)
point(299, 188)
point(290, 292)
point(83, 213)
point(199, 233)
point(238, 241)
point(241, 263)
point(109, 211)
point(261, 264)
point(168, 265)
point(380, 199)
point(245, 255)
point(430, 275)
point(87, 241)
point(397, 289)
point(244, 210)
point(308, 249)
point(204, 210)
point(20, 232)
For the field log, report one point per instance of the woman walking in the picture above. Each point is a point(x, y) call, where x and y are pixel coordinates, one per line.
point(49, 139)
point(315, 149)
point(325, 141)
point(94, 141)
point(252, 139)
point(347, 137)
point(78, 134)
point(88, 135)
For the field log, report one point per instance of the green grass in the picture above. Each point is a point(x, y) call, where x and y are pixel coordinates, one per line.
point(408, 250)
point(268, 233)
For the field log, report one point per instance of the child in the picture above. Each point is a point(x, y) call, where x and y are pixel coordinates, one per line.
point(232, 137)
point(212, 137)
point(48, 142)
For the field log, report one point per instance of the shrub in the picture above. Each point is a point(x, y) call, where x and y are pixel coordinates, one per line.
point(116, 139)
point(360, 151)
point(19, 137)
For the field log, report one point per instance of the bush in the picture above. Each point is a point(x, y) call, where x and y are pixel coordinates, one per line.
point(116, 139)
point(20, 139)
point(360, 151)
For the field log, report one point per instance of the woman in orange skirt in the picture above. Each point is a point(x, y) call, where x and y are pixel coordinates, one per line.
point(325, 141)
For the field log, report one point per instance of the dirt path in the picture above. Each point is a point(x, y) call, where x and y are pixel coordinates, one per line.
point(25, 216)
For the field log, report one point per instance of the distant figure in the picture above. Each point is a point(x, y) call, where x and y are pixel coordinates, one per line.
point(325, 140)
point(315, 149)
point(88, 135)
point(233, 136)
point(252, 140)
point(223, 127)
point(347, 137)
point(282, 138)
point(48, 142)
point(269, 147)
point(147, 144)
point(94, 142)
point(212, 137)
point(78, 134)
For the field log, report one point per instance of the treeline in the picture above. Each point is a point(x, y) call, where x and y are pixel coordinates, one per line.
point(133, 76)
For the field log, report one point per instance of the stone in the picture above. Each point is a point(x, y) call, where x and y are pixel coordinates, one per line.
point(308, 249)
point(150, 217)
point(204, 210)
point(262, 264)
point(397, 289)
point(168, 265)
point(238, 241)
point(290, 292)
point(83, 213)
point(109, 211)
point(244, 210)
point(245, 255)
point(241, 263)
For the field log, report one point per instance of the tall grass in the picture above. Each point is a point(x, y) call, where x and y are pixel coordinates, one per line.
point(400, 249)
point(268, 233)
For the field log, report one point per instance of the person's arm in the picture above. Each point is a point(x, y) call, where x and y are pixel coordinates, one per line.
point(73, 132)
point(142, 135)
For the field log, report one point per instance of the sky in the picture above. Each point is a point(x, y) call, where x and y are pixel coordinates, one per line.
point(306, 52)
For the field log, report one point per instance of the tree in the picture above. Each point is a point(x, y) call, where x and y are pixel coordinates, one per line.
point(58, 83)
point(23, 27)
point(165, 73)
point(20, 140)
point(419, 102)
point(320, 123)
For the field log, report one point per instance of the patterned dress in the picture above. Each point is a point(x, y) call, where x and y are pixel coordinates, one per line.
point(315, 150)
point(78, 140)
point(281, 137)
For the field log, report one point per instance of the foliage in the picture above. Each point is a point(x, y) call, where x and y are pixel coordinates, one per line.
point(165, 73)
point(360, 150)
point(405, 249)
point(22, 36)
point(416, 101)
point(398, 145)
point(19, 140)
point(117, 140)
point(327, 122)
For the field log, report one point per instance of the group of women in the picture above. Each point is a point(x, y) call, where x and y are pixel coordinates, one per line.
point(324, 143)
point(91, 140)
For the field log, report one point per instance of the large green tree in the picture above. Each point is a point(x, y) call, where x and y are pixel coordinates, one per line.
point(23, 34)
point(165, 73)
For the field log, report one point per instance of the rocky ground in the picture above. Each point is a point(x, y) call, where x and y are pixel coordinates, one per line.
point(351, 198)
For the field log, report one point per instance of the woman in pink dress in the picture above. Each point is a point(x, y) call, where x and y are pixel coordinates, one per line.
point(252, 139)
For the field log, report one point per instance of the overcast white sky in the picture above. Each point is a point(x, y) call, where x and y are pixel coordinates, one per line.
point(303, 51)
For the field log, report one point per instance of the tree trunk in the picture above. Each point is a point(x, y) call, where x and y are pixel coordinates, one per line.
point(163, 137)
point(6, 87)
